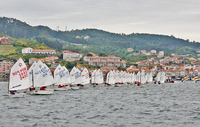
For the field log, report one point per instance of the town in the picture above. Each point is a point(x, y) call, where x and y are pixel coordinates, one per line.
point(174, 66)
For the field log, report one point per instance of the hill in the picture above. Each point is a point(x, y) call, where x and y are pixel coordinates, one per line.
point(100, 41)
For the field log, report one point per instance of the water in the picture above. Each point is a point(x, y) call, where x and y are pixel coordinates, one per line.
point(149, 106)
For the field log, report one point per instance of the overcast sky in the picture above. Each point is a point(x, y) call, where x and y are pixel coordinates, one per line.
point(180, 18)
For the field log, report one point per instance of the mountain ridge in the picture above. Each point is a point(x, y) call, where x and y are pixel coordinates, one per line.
point(100, 40)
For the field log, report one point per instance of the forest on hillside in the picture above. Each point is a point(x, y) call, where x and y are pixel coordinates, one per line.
point(100, 41)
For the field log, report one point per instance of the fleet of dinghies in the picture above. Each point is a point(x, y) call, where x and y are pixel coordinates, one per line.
point(38, 77)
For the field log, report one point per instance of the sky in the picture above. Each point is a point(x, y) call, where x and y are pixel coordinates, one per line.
point(180, 18)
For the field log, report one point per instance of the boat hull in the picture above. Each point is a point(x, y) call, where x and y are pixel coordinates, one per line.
point(42, 92)
point(75, 87)
point(17, 95)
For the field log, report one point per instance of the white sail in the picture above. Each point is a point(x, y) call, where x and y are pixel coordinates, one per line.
point(133, 77)
point(111, 78)
point(75, 76)
point(150, 77)
point(101, 79)
point(138, 77)
point(98, 77)
point(42, 75)
point(93, 76)
point(58, 75)
point(124, 78)
point(158, 77)
point(19, 76)
point(143, 77)
point(30, 71)
point(117, 80)
point(162, 77)
point(85, 77)
point(66, 76)
point(107, 77)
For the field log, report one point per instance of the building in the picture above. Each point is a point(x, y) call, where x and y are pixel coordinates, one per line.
point(29, 50)
point(6, 66)
point(153, 52)
point(47, 60)
point(104, 61)
point(143, 52)
point(5, 41)
point(87, 37)
point(160, 54)
point(129, 49)
point(70, 56)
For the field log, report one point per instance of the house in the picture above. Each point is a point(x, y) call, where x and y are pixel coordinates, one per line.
point(160, 54)
point(6, 66)
point(44, 52)
point(47, 60)
point(70, 56)
point(29, 50)
point(5, 41)
point(104, 61)
point(87, 37)
point(153, 52)
point(143, 52)
point(78, 37)
point(129, 49)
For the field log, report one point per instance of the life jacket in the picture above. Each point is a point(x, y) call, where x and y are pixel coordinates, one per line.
point(42, 88)
point(32, 88)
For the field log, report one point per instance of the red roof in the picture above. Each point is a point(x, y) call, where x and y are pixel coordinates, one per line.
point(43, 50)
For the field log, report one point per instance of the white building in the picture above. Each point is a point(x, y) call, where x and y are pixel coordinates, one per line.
point(29, 50)
point(160, 54)
point(104, 61)
point(70, 56)
point(153, 51)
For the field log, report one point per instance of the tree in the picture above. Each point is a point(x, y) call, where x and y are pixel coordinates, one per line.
point(103, 54)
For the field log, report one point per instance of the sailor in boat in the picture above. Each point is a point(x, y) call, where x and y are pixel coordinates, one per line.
point(13, 92)
point(43, 88)
point(32, 88)
point(138, 83)
point(60, 86)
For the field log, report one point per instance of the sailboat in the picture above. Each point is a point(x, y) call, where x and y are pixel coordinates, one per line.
point(110, 78)
point(18, 79)
point(42, 76)
point(158, 78)
point(75, 76)
point(85, 78)
point(162, 77)
point(142, 77)
point(61, 78)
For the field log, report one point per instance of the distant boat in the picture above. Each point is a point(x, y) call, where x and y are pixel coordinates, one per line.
point(18, 80)
point(61, 78)
point(75, 76)
point(85, 79)
point(41, 77)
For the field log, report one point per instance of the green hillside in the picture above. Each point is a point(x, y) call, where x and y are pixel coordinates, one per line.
point(100, 41)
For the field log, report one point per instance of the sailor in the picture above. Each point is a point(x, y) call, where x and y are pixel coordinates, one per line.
point(32, 88)
point(43, 88)
point(13, 91)
point(138, 83)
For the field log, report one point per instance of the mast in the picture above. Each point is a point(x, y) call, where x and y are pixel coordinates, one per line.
point(8, 84)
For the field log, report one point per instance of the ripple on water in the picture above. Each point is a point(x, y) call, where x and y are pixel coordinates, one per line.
point(151, 105)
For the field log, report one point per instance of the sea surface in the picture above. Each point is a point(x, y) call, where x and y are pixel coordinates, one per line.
point(153, 105)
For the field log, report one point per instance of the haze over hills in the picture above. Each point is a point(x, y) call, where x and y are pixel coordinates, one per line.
point(100, 41)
